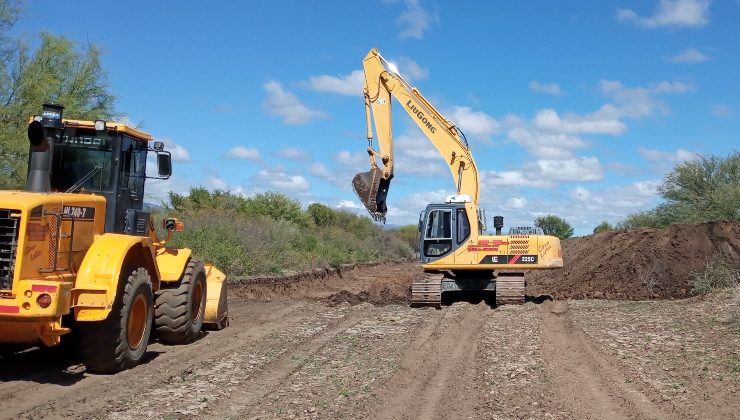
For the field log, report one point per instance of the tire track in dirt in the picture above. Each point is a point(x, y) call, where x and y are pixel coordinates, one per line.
point(242, 399)
point(584, 378)
point(442, 349)
point(37, 395)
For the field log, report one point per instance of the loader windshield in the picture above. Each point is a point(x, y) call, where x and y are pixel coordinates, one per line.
point(82, 154)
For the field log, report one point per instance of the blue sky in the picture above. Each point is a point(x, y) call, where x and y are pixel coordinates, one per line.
point(576, 109)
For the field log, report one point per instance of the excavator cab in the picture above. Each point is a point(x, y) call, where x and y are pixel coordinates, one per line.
point(443, 228)
point(372, 189)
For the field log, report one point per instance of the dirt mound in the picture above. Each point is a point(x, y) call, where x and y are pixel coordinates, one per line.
point(379, 284)
point(637, 264)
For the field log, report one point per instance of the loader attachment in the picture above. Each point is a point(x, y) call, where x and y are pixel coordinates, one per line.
point(217, 311)
point(372, 190)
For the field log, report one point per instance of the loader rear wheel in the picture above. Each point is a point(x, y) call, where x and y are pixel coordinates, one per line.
point(180, 310)
point(119, 342)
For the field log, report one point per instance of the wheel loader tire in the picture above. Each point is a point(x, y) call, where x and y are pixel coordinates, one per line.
point(119, 342)
point(180, 310)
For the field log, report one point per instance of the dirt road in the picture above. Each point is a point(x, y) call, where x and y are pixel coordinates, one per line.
point(319, 357)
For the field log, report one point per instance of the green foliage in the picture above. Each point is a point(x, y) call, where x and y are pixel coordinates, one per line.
point(603, 227)
point(410, 235)
point(270, 233)
point(718, 274)
point(320, 214)
point(706, 189)
point(554, 225)
point(58, 71)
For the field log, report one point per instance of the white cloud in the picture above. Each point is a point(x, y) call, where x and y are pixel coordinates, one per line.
point(689, 55)
point(179, 153)
point(639, 101)
point(475, 123)
point(576, 169)
point(349, 204)
point(516, 203)
point(676, 13)
point(319, 170)
point(415, 20)
point(411, 70)
point(680, 155)
point(349, 84)
point(544, 144)
point(721, 111)
point(279, 180)
point(287, 106)
point(352, 160)
point(511, 179)
point(243, 153)
point(596, 123)
point(550, 88)
point(293, 153)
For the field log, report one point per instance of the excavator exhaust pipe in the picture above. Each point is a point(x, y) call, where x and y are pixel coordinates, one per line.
point(372, 190)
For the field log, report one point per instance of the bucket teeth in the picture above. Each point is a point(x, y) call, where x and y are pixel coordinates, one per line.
point(366, 186)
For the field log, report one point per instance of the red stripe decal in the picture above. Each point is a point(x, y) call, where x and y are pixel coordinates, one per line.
point(515, 259)
point(43, 288)
point(9, 309)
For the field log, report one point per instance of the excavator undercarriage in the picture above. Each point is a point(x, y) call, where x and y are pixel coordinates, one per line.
point(508, 287)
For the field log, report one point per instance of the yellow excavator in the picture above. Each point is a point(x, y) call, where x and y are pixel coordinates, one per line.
point(455, 253)
point(80, 256)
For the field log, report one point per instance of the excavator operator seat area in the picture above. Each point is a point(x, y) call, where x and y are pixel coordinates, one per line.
point(444, 227)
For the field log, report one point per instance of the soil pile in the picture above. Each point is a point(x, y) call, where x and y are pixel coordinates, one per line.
point(637, 264)
point(379, 284)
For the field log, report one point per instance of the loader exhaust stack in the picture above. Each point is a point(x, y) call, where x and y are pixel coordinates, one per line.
point(372, 190)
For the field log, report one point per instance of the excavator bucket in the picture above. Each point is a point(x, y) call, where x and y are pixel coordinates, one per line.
point(217, 311)
point(372, 189)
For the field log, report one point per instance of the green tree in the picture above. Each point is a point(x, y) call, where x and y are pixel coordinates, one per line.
point(603, 227)
point(554, 225)
point(703, 190)
point(58, 71)
point(320, 214)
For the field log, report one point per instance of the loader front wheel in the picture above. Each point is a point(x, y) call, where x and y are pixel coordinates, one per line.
point(119, 342)
point(180, 310)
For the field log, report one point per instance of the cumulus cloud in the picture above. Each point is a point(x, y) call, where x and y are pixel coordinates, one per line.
point(673, 13)
point(550, 88)
point(475, 123)
point(576, 169)
point(512, 179)
point(281, 181)
point(596, 123)
point(639, 101)
point(680, 155)
point(179, 153)
point(411, 70)
point(287, 106)
point(319, 170)
point(721, 111)
point(689, 56)
point(243, 153)
point(348, 84)
point(293, 153)
point(516, 203)
point(546, 145)
point(415, 20)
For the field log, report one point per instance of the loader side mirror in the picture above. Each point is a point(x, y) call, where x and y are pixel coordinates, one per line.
point(164, 165)
point(173, 225)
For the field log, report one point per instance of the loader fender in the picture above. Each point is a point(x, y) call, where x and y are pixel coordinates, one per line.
point(172, 262)
point(98, 277)
point(217, 310)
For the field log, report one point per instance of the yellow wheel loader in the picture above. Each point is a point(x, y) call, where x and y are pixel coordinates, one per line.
point(78, 252)
point(455, 252)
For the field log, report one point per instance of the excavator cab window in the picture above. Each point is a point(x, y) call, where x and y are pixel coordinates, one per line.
point(438, 233)
point(463, 226)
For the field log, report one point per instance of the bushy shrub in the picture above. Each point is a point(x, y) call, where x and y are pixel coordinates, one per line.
point(717, 274)
point(603, 227)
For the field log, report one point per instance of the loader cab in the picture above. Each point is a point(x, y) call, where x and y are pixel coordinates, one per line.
point(443, 228)
point(103, 158)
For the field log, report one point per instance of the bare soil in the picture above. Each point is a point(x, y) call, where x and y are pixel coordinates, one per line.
point(344, 344)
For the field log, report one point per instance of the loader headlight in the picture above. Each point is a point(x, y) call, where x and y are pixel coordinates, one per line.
point(44, 300)
point(99, 125)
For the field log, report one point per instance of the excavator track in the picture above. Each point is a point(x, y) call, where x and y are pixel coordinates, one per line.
point(509, 290)
point(427, 291)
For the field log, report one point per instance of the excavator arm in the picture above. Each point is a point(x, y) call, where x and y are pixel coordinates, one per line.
point(382, 82)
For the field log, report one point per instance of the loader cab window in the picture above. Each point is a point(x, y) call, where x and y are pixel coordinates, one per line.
point(438, 233)
point(82, 159)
